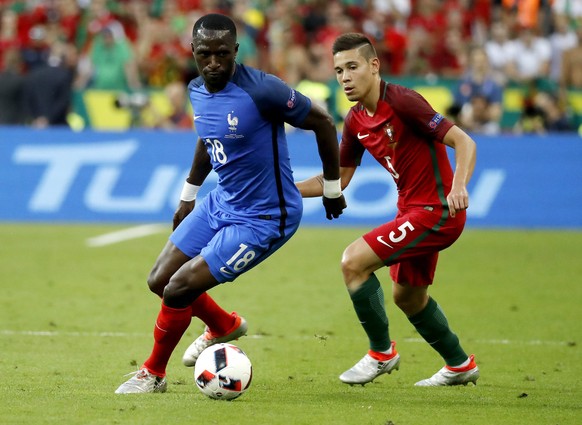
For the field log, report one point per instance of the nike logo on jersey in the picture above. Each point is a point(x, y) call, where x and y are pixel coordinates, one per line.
point(223, 270)
point(382, 241)
point(362, 136)
point(197, 116)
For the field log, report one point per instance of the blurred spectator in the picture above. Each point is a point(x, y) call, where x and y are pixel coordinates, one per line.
point(287, 56)
point(48, 88)
point(161, 54)
point(571, 75)
point(499, 50)
point(11, 89)
point(398, 10)
point(180, 116)
point(556, 118)
point(476, 116)
point(67, 15)
point(315, 77)
point(530, 57)
point(531, 120)
point(128, 45)
point(337, 22)
point(247, 48)
point(562, 39)
point(571, 8)
point(427, 25)
point(542, 114)
point(110, 63)
point(37, 49)
point(449, 57)
point(524, 13)
point(479, 97)
point(95, 17)
point(8, 32)
point(389, 37)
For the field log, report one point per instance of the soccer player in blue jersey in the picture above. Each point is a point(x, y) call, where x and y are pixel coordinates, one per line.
point(240, 113)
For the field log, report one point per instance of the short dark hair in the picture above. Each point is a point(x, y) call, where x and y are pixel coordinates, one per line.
point(354, 40)
point(215, 21)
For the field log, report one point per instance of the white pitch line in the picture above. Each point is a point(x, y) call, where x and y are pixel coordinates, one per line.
point(258, 336)
point(126, 234)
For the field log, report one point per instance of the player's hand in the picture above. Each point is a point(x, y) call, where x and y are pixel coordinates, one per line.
point(458, 200)
point(334, 206)
point(184, 208)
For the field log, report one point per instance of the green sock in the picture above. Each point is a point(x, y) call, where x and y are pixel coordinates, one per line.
point(433, 326)
point(368, 302)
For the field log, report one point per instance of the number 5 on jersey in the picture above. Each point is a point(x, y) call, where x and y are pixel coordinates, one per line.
point(394, 237)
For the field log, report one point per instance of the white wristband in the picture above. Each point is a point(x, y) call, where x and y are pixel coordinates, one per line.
point(332, 188)
point(189, 192)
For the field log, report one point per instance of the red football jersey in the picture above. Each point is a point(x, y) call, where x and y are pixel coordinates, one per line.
point(405, 136)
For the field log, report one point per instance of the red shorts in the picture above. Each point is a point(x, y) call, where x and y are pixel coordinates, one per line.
point(410, 243)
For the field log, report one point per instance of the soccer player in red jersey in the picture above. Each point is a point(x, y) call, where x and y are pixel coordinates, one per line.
point(408, 138)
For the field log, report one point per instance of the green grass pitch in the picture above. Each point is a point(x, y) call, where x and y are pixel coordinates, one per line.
point(74, 319)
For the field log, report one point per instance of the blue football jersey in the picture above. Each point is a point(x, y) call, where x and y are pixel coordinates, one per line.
point(242, 127)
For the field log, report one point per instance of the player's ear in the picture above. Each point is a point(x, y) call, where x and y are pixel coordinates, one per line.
point(375, 65)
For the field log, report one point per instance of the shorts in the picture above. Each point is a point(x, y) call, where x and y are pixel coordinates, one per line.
point(230, 245)
point(410, 243)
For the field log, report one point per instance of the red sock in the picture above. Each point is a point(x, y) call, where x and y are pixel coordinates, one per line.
point(216, 318)
point(170, 326)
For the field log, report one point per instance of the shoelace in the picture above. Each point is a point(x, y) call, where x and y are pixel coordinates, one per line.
point(364, 363)
point(143, 372)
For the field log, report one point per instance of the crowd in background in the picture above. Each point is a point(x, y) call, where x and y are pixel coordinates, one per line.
point(50, 48)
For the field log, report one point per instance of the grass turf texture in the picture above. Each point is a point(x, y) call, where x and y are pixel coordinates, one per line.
point(513, 297)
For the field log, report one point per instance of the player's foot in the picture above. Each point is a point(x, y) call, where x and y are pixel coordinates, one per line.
point(453, 376)
point(208, 338)
point(368, 369)
point(142, 381)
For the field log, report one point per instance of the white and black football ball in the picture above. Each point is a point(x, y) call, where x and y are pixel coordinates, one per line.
point(223, 372)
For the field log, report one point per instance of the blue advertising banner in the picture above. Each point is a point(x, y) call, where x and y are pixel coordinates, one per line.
point(137, 176)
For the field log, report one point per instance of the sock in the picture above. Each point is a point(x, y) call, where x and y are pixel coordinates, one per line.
point(382, 355)
point(368, 302)
point(218, 320)
point(170, 326)
point(462, 365)
point(433, 326)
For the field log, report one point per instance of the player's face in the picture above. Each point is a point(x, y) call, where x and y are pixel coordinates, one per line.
point(214, 52)
point(355, 74)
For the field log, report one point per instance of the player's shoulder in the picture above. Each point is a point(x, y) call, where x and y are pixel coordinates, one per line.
point(402, 100)
point(195, 83)
point(392, 91)
point(247, 76)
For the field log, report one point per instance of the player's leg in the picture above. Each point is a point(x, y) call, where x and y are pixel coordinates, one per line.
point(234, 250)
point(411, 296)
point(190, 237)
point(190, 281)
point(359, 262)
point(175, 314)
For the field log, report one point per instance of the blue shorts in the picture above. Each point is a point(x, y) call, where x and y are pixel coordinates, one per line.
point(230, 245)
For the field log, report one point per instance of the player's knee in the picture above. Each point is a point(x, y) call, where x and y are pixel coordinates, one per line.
point(155, 282)
point(180, 292)
point(350, 268)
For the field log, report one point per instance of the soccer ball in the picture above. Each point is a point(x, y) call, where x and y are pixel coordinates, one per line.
point(223, 372)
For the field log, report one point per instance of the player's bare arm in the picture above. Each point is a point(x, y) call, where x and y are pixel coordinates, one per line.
point(313, 186)
point(321, 123)
point(201, 167)
point(465, 157)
